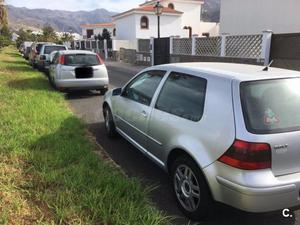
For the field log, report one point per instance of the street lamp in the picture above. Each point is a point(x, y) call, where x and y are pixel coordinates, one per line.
point(190, 30)
point(158, 11)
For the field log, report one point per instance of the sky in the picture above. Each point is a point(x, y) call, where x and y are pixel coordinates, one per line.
point(76, 5)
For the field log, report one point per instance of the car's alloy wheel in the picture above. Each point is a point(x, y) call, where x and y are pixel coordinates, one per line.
point(109, 123)
point(191, 189)
point(187, 188)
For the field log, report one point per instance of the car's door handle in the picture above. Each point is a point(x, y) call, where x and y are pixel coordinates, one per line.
point(144, 114)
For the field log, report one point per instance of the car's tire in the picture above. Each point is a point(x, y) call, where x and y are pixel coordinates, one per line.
point(103, 91)
point(190, 189)
point(109, 122)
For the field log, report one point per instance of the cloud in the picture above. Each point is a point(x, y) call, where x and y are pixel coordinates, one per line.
point(76, 5)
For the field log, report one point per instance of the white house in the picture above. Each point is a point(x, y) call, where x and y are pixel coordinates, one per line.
point(141, 22)
point(90, 30)
point(255, 16)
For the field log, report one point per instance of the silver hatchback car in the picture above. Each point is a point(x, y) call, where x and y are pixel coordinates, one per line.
point(78, 70)
point(224, 132)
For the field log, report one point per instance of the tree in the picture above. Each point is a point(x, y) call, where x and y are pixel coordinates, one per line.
point(24, 36)
point(49, 34)
point(3, 14)
point(66, 37)
point(106, 34)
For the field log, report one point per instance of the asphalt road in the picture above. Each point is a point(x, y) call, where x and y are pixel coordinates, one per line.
point(88, 106)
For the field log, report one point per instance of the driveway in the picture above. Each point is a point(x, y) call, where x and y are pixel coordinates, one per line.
point(88, 106)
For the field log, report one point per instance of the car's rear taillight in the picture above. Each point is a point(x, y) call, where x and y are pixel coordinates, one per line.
point(100, 59)
point(248, 156)
point(61, 60)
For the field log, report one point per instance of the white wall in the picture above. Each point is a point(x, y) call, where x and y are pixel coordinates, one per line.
point(255, 16)
point(170, 25)
point(191, 15)
point(208, 27)
point(117, 44)
point(125, 28)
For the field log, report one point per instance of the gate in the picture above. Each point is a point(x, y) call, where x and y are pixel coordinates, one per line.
point(285, 51)
point(161, 51)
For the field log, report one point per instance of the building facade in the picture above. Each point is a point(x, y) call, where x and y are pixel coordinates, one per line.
point(255, 16)
point(89, 31)
point(141, 23)
point(179, 18)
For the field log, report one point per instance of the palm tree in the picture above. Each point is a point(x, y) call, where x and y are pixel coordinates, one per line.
point(3, 14)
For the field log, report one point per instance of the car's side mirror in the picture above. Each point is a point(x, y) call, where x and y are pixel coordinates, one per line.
point(117, 91)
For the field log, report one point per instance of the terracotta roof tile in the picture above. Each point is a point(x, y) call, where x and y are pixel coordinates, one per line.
point(98, 25)
point(150, 8)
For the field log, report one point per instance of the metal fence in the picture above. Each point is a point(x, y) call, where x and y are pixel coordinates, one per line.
point(244, 46)
point(236, 46)
point(144, 45)
point(182, 46)
point(208, 46)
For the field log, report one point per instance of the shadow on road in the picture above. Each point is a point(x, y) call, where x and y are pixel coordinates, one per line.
point(71, 95)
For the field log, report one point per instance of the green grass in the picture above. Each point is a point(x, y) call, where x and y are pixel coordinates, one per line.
point(48, 171)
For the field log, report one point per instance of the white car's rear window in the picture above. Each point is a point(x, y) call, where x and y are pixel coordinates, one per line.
point(271, 106)
point(81, 60)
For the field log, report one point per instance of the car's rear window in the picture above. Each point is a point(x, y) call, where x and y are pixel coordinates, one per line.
point(81, 60)
point(271, 106)
point(49, 49)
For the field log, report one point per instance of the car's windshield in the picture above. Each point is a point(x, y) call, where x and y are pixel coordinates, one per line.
point(81, 59)
point(271, 106)
point(49, 49)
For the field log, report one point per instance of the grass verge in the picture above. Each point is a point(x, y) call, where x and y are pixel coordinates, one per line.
point(48, 171)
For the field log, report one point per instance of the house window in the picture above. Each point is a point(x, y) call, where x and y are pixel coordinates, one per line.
point(171, 6)
point(144, 22)
point(114, 32)
point(89, 33)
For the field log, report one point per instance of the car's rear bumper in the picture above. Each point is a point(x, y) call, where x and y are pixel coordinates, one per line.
point(253, 191)
point(82, 84)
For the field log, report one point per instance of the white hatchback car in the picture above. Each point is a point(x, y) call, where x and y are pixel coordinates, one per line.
point(78, 70)
point(225, 132)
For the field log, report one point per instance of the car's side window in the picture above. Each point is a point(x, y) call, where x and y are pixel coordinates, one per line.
point(183, 95)
point(55, 58)
point(143, 87)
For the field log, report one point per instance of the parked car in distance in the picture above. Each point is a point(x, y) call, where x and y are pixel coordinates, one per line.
point(26, 53)
point(226, 133)
point(35, 51)
point(43, 60)
point(78, 70)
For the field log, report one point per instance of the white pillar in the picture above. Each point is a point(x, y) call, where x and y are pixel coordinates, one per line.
point(105, 49)
point(152, 50)
point(194, 44)
point(91, 46)
point(97, 46)
point(266, 46)
point(223, 44)
point(171, 44)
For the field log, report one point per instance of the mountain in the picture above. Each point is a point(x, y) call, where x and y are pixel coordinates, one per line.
point(211, 11)
point(60, 20)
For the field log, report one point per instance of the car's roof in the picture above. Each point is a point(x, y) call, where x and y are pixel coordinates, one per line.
point(241, 72)
point(53, 45)
point(68, 52)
